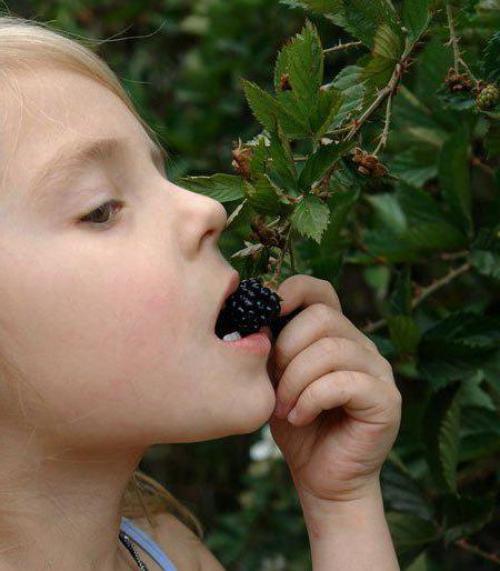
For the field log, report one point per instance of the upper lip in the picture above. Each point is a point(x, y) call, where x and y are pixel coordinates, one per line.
point(232, 286)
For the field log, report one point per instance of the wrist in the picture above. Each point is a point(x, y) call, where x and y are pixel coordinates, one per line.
point(324, 517)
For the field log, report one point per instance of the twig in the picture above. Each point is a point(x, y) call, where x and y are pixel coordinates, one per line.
point(340, 46)
point(464, 544)
point(273, 282)
point(387, 123)
point(453, 37)
point(424, 293)
point(382, 94)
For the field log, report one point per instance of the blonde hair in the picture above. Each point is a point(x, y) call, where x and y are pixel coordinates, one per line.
point(25, 42)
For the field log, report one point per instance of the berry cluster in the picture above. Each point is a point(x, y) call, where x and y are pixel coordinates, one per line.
point(251, 307)
point(488, 97)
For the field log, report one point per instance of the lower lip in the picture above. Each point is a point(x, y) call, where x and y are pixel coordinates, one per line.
point(258, 343)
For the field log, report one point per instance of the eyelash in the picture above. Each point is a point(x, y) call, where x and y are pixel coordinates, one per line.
point(104, 204)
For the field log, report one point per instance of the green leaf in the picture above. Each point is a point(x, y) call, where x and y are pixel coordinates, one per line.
point(349, 82)
point(401, 295)
point(282, 159)
point(430, 237)
point(310, 217)
point(318, 6)
point(262, 104)
point(466, 515)
point(378, 71)
point(388, 211)
point(387, 43)
point(474, 395)
point(485, 252)
point(364, 18)
point(319, 162)
point(264, 196)
point(409, 531)
point(306, 61)
point(330, 101)
point(404, 333)
point(441, 436)
point(267, 109)
point(401, 492)
point(491, 57)
point(454, 176)
point(221, 187)
point(415, 165)
point(419, 205)
point(340, 205)
point(416, 17)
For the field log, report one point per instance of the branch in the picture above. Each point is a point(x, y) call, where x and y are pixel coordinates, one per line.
point(385, 133)
point(464, 544)
point(424, 293)
point(340, 46)
point(453, 37)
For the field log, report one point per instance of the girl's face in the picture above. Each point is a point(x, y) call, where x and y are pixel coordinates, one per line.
point(109, 322)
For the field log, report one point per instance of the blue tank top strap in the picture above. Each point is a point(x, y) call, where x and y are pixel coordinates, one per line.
point(146, 543)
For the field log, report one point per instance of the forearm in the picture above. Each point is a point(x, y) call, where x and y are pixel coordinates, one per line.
point(350, 536)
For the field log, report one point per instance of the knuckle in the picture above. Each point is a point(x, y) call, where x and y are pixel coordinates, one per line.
point(321, 313)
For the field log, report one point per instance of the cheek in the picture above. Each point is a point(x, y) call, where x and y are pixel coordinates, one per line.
point(100, 331)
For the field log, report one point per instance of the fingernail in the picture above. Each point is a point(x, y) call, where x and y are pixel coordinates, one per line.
point(292, 417)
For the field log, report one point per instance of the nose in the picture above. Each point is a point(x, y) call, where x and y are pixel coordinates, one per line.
point(199, 219)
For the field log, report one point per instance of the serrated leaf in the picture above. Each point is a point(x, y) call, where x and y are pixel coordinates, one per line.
point(441, 436)
point(466, 515)
point(267, 109)
point(401, 295)
point(264, 196)
point(419, 205)
point(378, 71)
point(491, 59)
point(473, 395)
point(329, 104)
point(416, 17)
point(409, 531)
point(310, 217)
point(363, 18)
point(262, 104)
point(349, 82)
point(282, 159)
point(340, 205)
point(402, 492)
point(306, 61)
point(433, 237)
point(387, 43)
point(415, 165)
point(454, 176)
point(404, 333)
point(388, 211)
point(319, 162)
point(221, 187)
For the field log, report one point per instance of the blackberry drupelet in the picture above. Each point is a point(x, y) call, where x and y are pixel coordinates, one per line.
point(251, 307)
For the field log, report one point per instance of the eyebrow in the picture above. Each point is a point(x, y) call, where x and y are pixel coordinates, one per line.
point(73, 156)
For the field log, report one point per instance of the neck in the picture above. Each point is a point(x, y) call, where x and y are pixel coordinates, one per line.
point(61, 509)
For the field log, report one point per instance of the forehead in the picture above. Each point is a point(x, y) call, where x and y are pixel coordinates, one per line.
point(44, 108)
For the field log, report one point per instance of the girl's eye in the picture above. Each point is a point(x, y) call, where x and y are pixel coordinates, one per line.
point(97, 216)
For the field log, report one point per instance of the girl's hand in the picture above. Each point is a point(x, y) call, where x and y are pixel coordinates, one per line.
point(347, 405)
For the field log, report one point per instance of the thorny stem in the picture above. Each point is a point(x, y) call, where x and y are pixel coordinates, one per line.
point(340, 46)
point(273, 282)
point(453, 37)
point(423, 293)
point(387, 123)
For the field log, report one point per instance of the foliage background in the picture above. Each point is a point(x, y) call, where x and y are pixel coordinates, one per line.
point(181, 61)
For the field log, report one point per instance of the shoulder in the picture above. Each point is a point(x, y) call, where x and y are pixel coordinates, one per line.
point(180, 543)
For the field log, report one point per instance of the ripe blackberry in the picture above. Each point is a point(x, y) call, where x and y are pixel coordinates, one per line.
point(251, 307)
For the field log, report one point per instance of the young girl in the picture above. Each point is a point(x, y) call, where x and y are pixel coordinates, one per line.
point(111, 284)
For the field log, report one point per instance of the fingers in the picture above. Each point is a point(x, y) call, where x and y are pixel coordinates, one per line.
point(310, 325)
point(325, 356)
point(305, 290)
point(362, 396)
